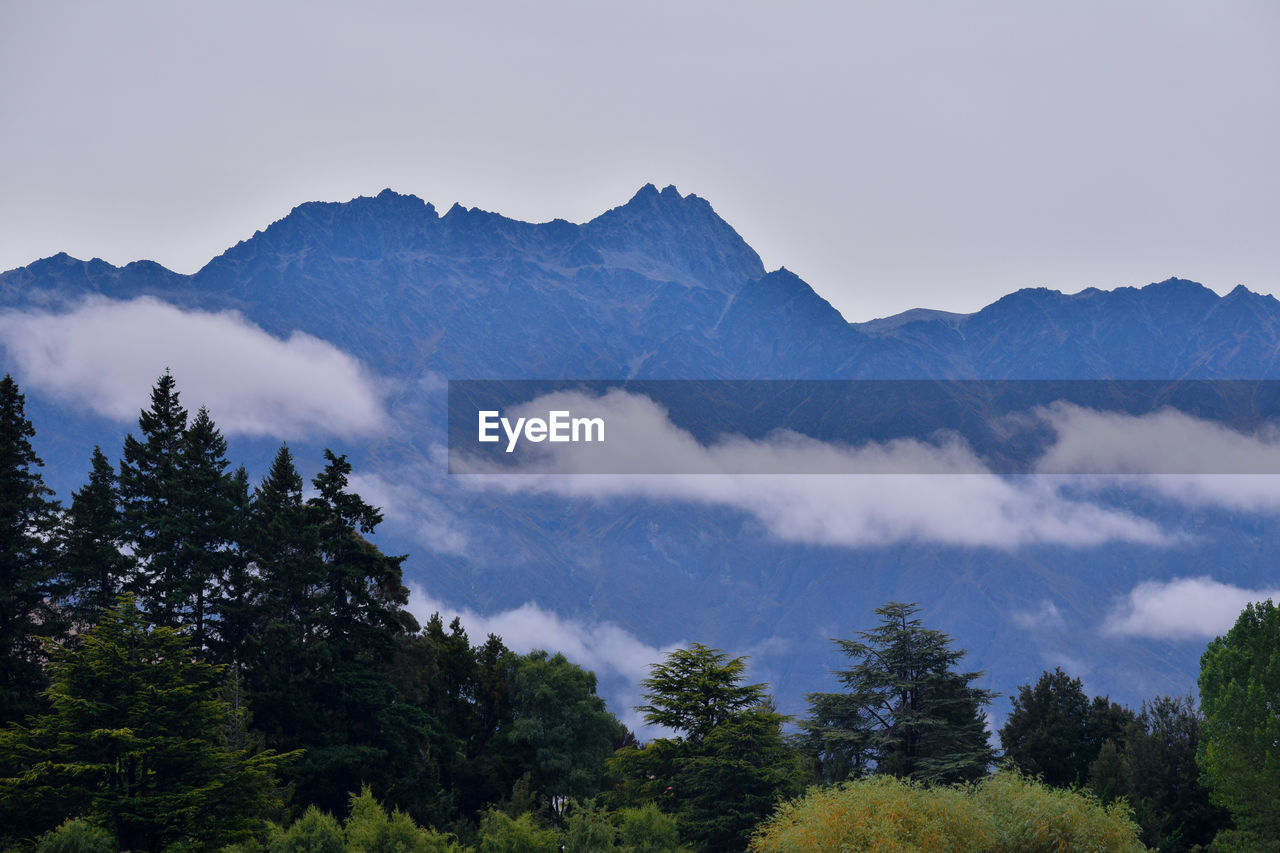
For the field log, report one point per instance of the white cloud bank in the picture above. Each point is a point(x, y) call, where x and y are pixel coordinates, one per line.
point(1182, 609)
point(1164, 442)
point(1193, 462)
point(106, 355)
point(966, 507)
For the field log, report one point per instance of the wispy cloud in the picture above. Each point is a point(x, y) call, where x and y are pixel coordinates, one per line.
point(427, 517)
point(1181, 609)
point(1046, 617)
point(616, 655)
point(966, 507)
point(599, 646)
point(105, 355)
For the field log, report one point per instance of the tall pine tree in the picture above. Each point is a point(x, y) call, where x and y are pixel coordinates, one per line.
point(282, 617)
point(209, 506)
point(729, 765)
point(28, 517)
point(327, 613)
point(181, 512)
point(93, 567)
point(150, 494)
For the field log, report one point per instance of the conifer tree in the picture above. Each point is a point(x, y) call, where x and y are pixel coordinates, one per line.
point(362, 589)
point(1169, 803)
point(729, 765)
point(238, 589)
point(151, 495)
point(180, 512)
point(208, 512)
point(1047, 731)
point(906, 711)
point(327, 612)
point(28, 516)
point(93, 568)
point(281, 547)
point(136, 739)
point(281, 615)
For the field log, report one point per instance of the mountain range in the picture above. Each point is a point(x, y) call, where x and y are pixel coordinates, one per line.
point(662, 288)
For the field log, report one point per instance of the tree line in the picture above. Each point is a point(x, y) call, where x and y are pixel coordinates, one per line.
point(195, 663)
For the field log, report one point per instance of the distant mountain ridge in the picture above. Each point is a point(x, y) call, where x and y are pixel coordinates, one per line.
point(661, 287)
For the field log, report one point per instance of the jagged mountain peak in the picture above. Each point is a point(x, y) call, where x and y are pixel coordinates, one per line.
point(659, 233)
point(668, 201)
point(387, 203)
point(681, 231)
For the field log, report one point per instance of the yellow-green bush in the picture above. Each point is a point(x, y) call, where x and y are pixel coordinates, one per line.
point(648, 830)
point(1032, 817)
point(881, 814)
point(1005, 813)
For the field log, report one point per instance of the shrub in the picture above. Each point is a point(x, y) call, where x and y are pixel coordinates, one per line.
point(1005, 813)
point(76, 836)
point(588, 830)
point(1032, 817)
point(502, 834)
point(648, 830)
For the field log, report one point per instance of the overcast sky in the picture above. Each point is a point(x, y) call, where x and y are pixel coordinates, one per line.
point(894, 154)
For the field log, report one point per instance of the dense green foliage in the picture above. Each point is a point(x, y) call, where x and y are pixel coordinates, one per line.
point(299, 623)
point(1158, 777)
point(906, 710)
point(560, 729)
point(368, 828)
point(1058, 734)
point(1240, 697)
point(1005, 813)
point(135, 740)
point(1054, 731)
point(647, 830)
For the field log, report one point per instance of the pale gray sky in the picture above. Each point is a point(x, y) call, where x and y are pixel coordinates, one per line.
point(894, 154)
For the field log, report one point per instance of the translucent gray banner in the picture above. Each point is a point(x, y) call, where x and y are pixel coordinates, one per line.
point(864, 427)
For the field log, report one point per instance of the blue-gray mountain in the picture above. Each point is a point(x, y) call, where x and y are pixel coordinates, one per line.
point(662, 288)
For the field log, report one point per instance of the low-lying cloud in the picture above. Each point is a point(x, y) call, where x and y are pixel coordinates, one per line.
point(1187, 460)
point(106, 355)
point(1182, 609)
point(1167, 442)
